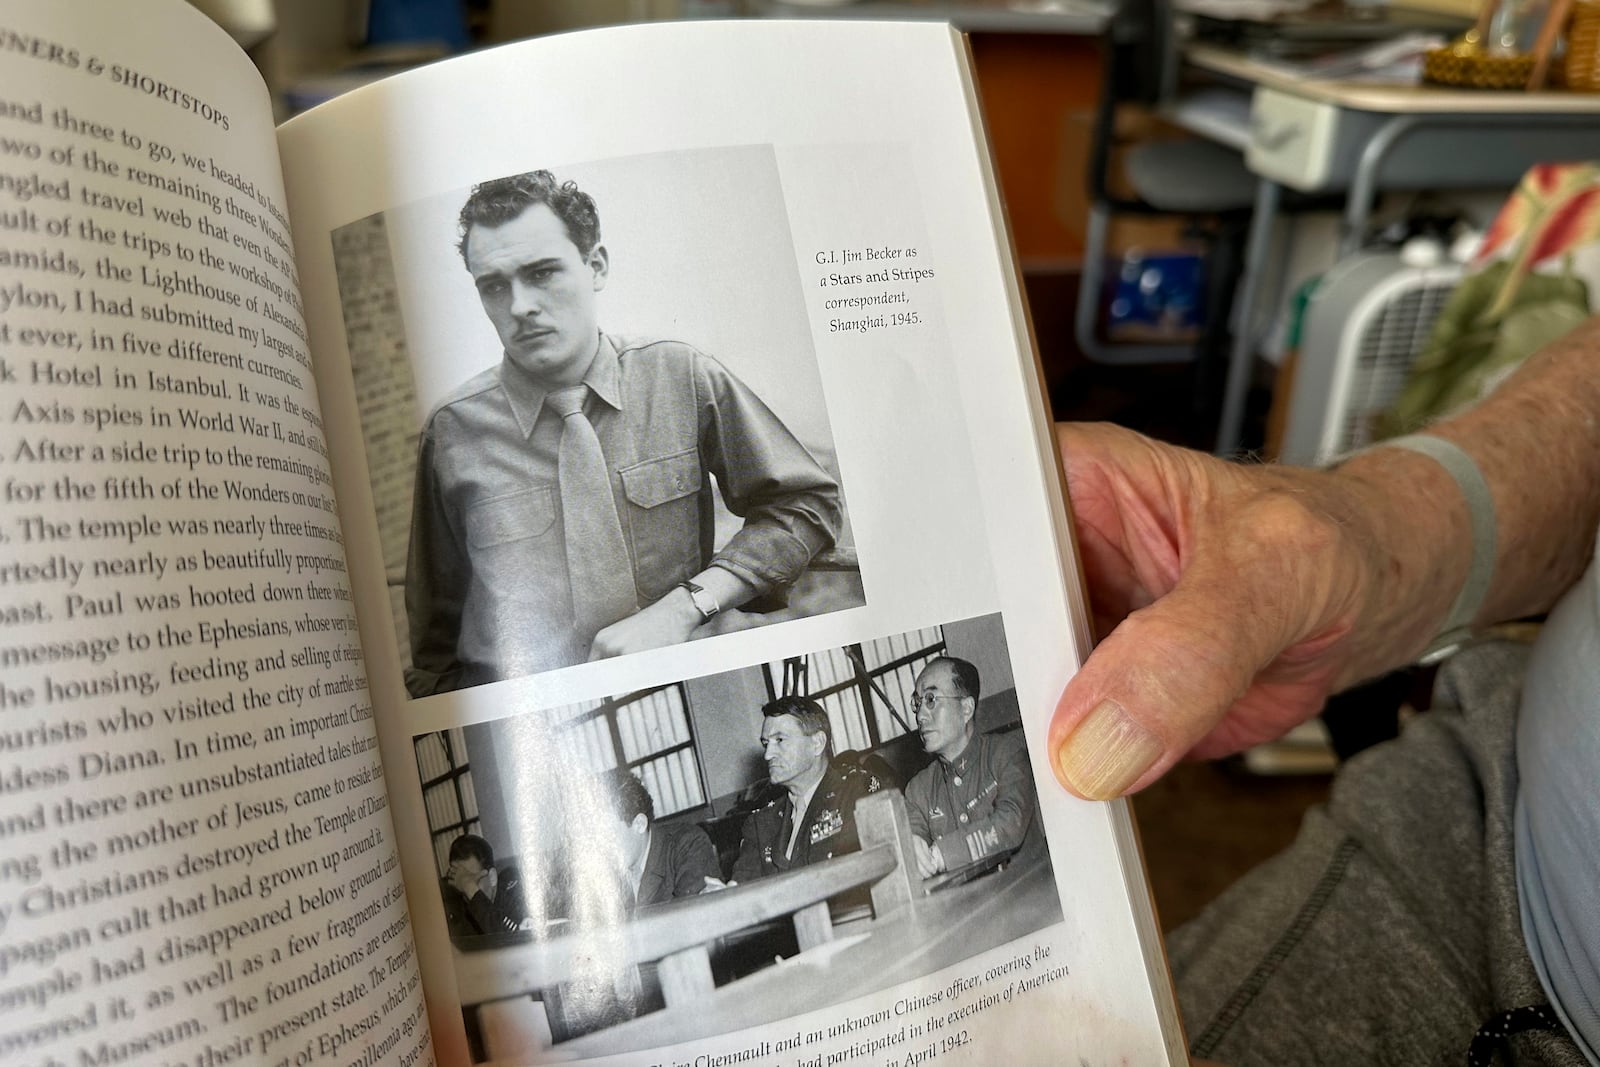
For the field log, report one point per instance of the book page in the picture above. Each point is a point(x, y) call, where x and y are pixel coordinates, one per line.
point(705, 301)
point(197, 862)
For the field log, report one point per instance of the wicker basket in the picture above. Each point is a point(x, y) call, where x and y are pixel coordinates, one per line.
point(1444, 66)
point(1581, 71)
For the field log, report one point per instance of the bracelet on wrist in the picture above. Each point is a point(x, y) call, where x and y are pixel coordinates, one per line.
point(1463, 470)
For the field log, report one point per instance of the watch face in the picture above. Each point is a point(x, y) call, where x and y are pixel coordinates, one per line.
point(703, 601)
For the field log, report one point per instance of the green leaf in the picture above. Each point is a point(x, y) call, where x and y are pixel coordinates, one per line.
point(1469, 349)
point(1526, 329)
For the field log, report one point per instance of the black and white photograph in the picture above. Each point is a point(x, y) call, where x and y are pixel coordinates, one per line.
point(593, 414)
point(738, 848)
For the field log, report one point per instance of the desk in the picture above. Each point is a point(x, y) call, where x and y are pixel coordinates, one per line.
point(1325, 136)
point(905, 933)
point(871, 955)
point(1076, 17)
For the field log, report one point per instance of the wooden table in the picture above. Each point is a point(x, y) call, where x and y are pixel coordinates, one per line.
point(871, 955)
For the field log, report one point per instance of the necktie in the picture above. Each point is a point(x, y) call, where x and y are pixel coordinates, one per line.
point(598, 565)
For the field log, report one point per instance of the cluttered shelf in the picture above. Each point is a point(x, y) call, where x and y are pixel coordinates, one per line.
point(1291, 77)
point(1366, 125)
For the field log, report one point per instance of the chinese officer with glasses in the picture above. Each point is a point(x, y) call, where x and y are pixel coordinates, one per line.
point(976, 798)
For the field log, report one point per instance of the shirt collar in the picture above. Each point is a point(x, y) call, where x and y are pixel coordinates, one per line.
point(526, 394)
point(959, 764)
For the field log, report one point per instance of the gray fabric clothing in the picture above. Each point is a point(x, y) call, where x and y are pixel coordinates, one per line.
point(1389, 931)
point(980, 803)
point(1558, 810)
point(488, 593)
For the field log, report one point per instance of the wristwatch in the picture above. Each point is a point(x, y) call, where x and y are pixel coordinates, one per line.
point(703, 602)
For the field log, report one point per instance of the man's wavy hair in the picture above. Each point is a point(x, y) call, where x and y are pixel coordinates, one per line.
point(497, 202)
point(808, 713)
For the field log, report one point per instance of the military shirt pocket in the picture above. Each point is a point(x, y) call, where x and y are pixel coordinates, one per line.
point(513, 517)
point(654, 482)
point(664, 515)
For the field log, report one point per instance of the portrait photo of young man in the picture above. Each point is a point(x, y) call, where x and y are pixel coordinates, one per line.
point(589, 492)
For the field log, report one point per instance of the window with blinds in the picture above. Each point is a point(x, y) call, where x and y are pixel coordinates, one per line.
point(447, 793)
point(648, 732)
point(865, 688)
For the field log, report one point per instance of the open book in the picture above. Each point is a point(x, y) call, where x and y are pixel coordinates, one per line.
point(556, 556)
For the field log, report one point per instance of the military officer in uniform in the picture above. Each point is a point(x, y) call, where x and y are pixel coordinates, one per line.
point(479, 896)
point(812, 817)
point(977, 797)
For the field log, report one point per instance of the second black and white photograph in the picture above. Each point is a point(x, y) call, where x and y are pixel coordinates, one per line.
point(735, 849)
point(593, 415)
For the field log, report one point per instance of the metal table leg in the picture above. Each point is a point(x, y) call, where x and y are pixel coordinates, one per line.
point(1364, 183)
point(1241, 359)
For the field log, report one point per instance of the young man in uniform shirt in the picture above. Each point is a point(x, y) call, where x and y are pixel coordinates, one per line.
point(563, 507)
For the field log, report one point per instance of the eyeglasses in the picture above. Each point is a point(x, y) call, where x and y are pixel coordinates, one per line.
point(928, 699)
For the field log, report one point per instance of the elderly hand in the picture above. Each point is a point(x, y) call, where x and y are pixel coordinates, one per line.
point(1225, 596)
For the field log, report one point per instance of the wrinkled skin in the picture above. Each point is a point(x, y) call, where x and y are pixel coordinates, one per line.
point(1224, 595)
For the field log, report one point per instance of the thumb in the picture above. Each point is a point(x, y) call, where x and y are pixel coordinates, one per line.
point(1157, 684)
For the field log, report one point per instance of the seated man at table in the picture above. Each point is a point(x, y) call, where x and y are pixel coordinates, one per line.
point(660, 863)
point(813, 815)
point(480, 898)
point(650, 863)
point(976, 798)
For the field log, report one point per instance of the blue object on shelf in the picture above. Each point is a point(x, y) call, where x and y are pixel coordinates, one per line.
point(1156, 292)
